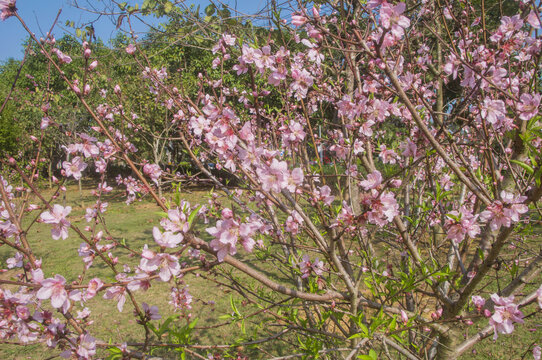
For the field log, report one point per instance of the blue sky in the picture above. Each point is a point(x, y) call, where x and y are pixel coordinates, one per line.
point(40, 14)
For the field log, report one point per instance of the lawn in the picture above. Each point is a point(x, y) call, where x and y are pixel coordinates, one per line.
point(134, 224)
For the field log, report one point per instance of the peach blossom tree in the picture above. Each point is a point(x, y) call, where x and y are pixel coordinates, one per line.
point(375, 170)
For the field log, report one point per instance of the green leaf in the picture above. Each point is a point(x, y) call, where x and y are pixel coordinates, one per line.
point(168, 7)
point(153, 329)
point(234, 307)
point(210, 10)
point(193, 215)
point(192, 325)
point(538, 176)
point(525, 167)
point(371, 356)
point(393, 324)
point(165, 326)
point(363, 333)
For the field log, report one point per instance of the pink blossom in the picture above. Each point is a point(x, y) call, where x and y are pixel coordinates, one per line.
point(292, 222)
point(298, 20)
point(452, 66)
point(117, 293)
point(16, 261)
point(404, 317)
point(93, 65)
point(409, 148)
point(277, 75)
point(295, 179)
point(216, 62)
point(37, 275)
point(94, 286)
point(503, 213)
point(226, 213)
point(374, 180)
point(240, 68)
point(460, 224)
point(250, 55)
point(100, 165)
point(246, 231)
point(246, 133)
point(274, 177)
point(88, 148)
point(226, 233)
point(316, 12)
point(358, 147)
point(509, 25)
point(383, 209)
point(181, 299)
point(7, 8)
point(264, 60)
point(54, 289)
point(153, 171)
point(324, 194)
point(537, 351)
point(533, 20)
point(74, 167)
point(228, 39)
point(57, 217)
point(478, 302)
point(506, 314)
point(493, 111)
point(314, 33)
point(390, 17)
point(372, 4)
point(437, 314)
point(151, 312)
point(45, 121)
point(445, 182)
point(63, 58)
point(7, 228)
point(294, 133)
point(177, 220)
point(447, 13)
point(307, 267)
point(388, 156)
point(303, 80)
point(138, 282)
point(167, 264)
point(346, 215)
point(87, 346)
point(528, 106)
point(166, 239)
point(104, 188)
point(22, 312)
point(131, 49)
point(199, 125)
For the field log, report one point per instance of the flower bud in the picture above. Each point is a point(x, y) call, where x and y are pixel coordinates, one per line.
point(93, 65)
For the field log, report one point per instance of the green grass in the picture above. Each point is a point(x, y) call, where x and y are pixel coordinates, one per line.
point(134, 223)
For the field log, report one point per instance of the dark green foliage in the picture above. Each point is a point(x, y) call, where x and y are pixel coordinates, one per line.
point(9, 131)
